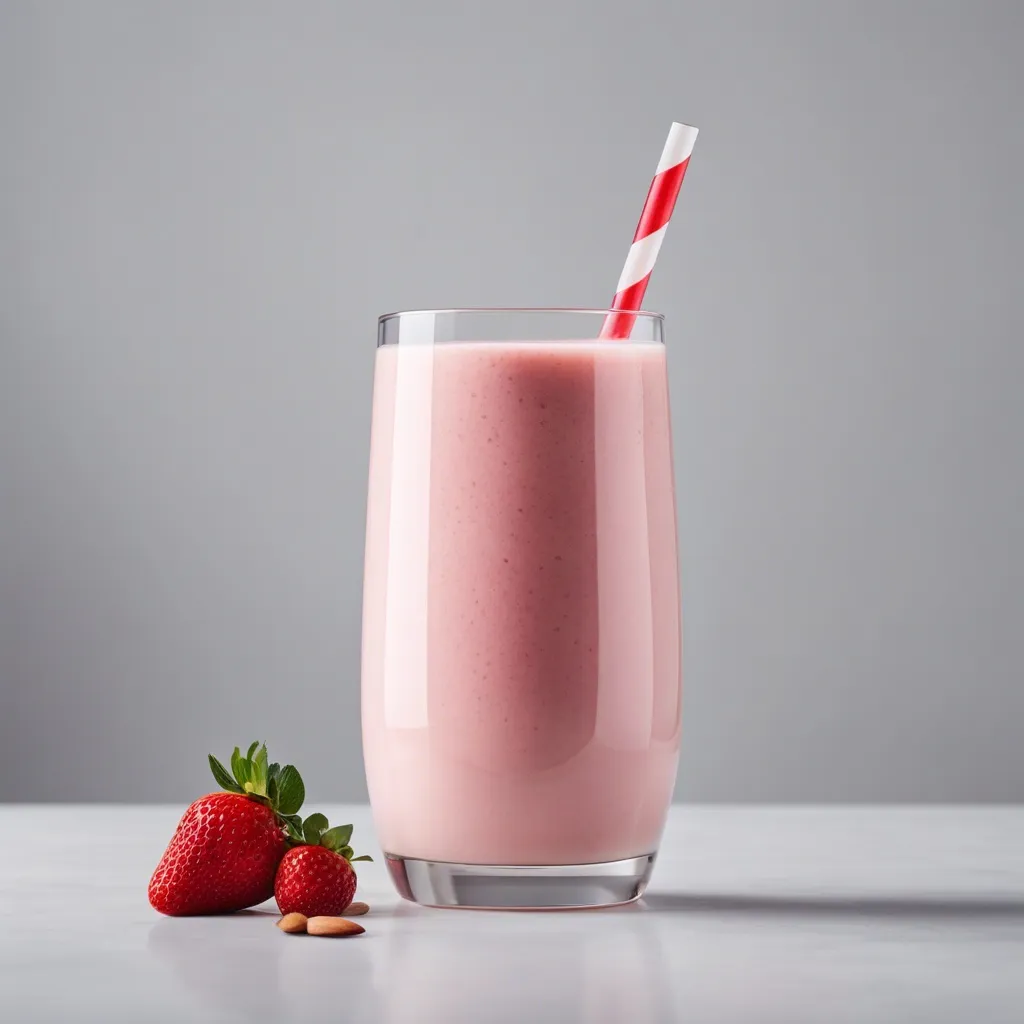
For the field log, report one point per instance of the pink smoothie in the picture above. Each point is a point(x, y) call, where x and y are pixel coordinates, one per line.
point(521, 651)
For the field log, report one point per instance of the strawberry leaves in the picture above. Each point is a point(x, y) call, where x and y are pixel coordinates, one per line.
point(258, 772)
point(293, 823)
point(337, 838)
point(313, 828)
point(314, 831)
point(290, 790)
point(223, 776)
point(281, 788)
point(240, 768)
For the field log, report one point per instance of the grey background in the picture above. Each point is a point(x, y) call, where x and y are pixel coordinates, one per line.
point(203, 208)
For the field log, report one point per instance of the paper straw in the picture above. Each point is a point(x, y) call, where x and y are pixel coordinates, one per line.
point(650, 232)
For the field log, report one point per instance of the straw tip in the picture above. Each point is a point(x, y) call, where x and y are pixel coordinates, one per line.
point(678, 145)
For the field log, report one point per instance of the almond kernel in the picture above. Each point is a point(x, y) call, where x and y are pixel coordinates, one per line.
point(293, 924)
point(333, 926)
point(355, 909)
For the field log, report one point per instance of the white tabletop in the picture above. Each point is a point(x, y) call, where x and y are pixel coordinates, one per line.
point(769, 915)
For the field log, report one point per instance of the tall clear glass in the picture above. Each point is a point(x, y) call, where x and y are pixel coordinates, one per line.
point(521, 630)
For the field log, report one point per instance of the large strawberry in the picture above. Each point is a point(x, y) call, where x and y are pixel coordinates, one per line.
point(225, 851)
point(317, 879)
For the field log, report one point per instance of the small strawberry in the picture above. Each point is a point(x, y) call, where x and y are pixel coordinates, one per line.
point(317, 879)
point(226, 849)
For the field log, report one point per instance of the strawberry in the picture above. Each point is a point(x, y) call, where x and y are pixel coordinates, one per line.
point(316, 879)
point(226, 849)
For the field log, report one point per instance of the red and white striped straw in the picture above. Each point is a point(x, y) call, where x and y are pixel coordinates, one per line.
point(650, 232)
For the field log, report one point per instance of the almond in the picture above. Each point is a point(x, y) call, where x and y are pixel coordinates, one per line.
point(355, 909)
point(333, 926)
point(293, 924)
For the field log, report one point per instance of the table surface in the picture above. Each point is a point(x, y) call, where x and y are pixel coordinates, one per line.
point(777, 914)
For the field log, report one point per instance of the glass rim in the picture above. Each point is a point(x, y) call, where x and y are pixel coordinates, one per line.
point(521, 309)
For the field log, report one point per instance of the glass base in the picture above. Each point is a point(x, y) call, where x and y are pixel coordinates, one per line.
point(531, 887)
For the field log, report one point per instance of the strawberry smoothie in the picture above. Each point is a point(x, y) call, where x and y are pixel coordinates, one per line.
point(521, 652)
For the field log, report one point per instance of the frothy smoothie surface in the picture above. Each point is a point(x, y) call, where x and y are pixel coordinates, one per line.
point(521, 660)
